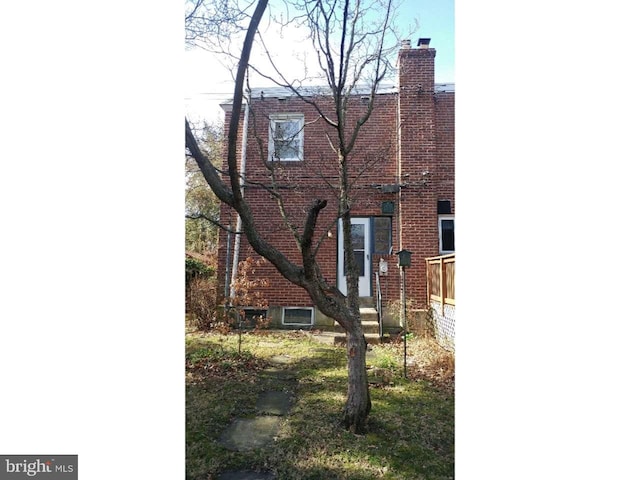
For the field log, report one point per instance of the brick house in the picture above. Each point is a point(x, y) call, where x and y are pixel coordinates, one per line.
point(403, 170)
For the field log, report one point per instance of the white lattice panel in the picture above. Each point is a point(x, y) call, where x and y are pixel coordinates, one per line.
point(445, 324)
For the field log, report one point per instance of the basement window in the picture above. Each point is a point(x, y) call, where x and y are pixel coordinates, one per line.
point(254, 315)
point(286, 139)
point(297, 316)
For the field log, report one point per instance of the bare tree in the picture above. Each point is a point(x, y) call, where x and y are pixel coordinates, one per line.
point(208, 21)
point(351, 41)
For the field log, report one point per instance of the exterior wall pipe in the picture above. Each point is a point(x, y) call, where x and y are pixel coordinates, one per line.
point(227, 266)
point(243, 167)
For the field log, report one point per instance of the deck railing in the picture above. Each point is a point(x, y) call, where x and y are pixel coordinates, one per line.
point(441, 274)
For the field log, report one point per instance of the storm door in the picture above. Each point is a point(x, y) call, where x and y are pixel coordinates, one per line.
point(361, 237)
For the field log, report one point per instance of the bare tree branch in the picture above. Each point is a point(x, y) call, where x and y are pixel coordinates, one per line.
point(348, 50)
point(214, 221)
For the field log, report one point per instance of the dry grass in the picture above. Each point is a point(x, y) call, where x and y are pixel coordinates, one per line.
point(426, 360)
point(411, 426)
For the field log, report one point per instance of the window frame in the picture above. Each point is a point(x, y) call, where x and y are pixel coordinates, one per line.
point(374, 250)
point(286, 117)
point(440, 240)
point(313, 315)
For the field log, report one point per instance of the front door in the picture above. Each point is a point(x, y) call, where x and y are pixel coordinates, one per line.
point(361, 238)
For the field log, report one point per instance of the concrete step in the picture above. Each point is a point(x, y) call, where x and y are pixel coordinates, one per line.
point(368, 311)
point(367, 302)
point(367, 327)
point(368, 315)
point(370, 326)
point(368, 318)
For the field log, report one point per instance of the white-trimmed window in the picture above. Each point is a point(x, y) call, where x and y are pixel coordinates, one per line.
point(446, 233)
point(286, 139)
point(297, 316)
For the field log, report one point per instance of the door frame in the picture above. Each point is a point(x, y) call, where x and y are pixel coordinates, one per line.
point(364, 282)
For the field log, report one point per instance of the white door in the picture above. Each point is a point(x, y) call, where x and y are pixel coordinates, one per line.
point(361, 238)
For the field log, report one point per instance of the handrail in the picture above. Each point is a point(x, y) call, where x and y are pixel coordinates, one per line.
point(379, 304)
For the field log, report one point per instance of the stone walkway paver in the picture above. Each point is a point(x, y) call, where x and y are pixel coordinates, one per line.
point(281, 360)
point(274, 403)
point(278, 374)
point(250, 433)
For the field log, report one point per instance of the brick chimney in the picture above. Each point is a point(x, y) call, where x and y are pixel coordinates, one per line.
point(417, 159)
point(416, 65)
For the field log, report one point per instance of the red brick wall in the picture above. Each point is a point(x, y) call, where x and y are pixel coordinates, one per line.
point(418, 165)
point(427, 144)
point(372, 163)
point(445, 144)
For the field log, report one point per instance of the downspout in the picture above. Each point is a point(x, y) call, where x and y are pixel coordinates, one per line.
point(399, 166)
point(405, 45)
point(243, 167)
point(227, 266)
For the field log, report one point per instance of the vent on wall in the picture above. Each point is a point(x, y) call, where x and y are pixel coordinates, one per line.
point(387, 208)
point(444, 207)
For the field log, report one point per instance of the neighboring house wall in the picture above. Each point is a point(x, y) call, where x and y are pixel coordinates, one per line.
point(408, 141)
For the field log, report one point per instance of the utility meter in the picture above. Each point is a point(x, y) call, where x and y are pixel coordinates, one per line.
point(383, 267)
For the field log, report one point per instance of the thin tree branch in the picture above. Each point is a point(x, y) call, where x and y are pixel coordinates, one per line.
point(214, 221)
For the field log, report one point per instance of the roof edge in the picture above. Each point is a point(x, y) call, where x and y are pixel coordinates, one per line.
point(316, 90)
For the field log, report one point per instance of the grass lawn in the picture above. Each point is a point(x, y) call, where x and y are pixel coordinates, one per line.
point(411, 425)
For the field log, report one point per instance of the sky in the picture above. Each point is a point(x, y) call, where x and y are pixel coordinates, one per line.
point(207, 83)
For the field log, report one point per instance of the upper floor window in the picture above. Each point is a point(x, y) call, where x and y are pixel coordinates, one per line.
point(446, 229)
point(286, 136)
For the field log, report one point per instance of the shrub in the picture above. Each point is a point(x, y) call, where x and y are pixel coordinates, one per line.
point(199, 278)
point(203, 304)
point(419, 322)
point(247, 294)
point(196, 268)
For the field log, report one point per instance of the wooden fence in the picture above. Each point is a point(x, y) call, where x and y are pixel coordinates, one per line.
point(441, 275)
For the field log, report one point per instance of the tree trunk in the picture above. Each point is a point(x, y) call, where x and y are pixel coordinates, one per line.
point(308, 276)
point(358, 403)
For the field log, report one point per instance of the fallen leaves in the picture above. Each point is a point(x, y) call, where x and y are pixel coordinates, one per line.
point(211, 364)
